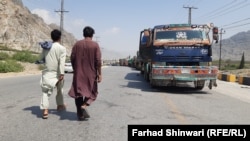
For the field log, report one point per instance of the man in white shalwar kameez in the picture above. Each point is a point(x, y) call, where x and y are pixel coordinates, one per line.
point(53, 74)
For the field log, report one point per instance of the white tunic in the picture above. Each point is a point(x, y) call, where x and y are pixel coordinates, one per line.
point(54, 65)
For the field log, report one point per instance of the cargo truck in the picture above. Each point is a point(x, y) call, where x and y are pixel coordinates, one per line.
point(177, 53)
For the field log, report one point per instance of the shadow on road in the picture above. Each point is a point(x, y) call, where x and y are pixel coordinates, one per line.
point(35, 110)
point(134, 76)
point(179, 90)
point(64, 115)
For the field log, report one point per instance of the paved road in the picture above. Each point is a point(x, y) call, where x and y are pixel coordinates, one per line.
point(124, 98)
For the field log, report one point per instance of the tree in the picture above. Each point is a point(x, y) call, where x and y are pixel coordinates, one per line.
point(242, 62)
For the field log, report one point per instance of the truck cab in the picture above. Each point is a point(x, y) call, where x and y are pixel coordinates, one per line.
point(174, 53)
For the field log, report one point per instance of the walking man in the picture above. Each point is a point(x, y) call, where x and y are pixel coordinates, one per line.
point(53, 74)
point(86, 62)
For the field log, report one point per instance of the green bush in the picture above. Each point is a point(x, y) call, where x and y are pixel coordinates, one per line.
point(41, 67)
point(25, 56)
point(4, 56)
point(2, 47)
point(10, 66)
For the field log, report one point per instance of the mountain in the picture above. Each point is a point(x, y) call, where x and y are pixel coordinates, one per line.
point(233, 47)
point(22, 30)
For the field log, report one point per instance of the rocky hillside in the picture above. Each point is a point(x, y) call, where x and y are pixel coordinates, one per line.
point(22, 30)
point(233, 47)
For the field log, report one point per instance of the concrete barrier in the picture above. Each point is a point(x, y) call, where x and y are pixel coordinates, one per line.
point(244, 80)
point(231, 78)
point(219, 76)
point(240, 79)
point(224, 77)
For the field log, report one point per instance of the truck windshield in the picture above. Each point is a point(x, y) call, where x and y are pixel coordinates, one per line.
point(180, 35)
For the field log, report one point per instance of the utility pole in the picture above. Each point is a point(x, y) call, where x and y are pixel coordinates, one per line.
point(189, 12)
point(222, 31)
point(96, 38)
point(61, 19)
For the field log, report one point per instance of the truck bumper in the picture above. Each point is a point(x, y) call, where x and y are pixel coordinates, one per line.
point(170, 76)
point(184, 77)
point(172, 80)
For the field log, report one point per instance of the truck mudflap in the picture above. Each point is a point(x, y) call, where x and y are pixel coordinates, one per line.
point(184, 73)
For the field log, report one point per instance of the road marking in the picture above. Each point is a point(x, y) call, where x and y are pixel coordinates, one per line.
point(180, 118)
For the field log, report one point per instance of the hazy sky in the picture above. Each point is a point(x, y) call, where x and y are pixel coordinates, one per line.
point(118, 22)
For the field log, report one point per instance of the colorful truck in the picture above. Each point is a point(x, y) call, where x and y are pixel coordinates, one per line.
point(174, 53)
point(123, 62)
point(138, 61)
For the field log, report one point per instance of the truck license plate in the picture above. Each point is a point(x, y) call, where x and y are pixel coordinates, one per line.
point(185, 70)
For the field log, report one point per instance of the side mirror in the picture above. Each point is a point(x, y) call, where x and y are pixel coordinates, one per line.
point(145, 37)
point(215, 34)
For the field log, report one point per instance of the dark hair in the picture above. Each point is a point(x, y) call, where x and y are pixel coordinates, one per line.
point(88, 31)
point(56, 35)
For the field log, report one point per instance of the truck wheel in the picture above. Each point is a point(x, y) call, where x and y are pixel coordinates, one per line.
point(153, 86)
point(142, 72)
point(199, 85)
point(146, 76)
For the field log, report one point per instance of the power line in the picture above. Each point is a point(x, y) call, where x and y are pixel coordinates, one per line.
point(237, 26)
point(220, 8)
point(236, 22)
point(228, 10)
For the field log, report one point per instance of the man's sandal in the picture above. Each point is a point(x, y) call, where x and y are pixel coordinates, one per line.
point(85, 112)
point(45, 114)
point(61, 107)
point(81, 118)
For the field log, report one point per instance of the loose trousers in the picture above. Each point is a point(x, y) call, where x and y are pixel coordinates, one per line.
point(46, 93)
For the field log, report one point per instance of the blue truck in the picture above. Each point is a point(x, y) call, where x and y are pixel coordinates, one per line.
point(177, 53)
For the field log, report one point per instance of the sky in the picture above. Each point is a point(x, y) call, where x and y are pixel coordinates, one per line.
point(118, 23)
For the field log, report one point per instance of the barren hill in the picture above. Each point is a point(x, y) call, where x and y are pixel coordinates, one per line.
point(233, 47)
point(22, 30)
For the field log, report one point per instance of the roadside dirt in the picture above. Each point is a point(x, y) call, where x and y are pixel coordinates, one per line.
point(30, 69)
point(239, 72)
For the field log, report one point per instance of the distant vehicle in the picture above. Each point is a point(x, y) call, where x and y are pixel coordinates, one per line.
point(68, 67)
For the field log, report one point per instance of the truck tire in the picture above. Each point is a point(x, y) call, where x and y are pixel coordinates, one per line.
point(142, 72)
point(209, 51)
point(199, 85)
point(146, 76)
point(153, 86)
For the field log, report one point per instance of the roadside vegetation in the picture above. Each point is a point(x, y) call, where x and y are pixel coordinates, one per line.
point(232, 65)
point(10, 60)
point(238, 68)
